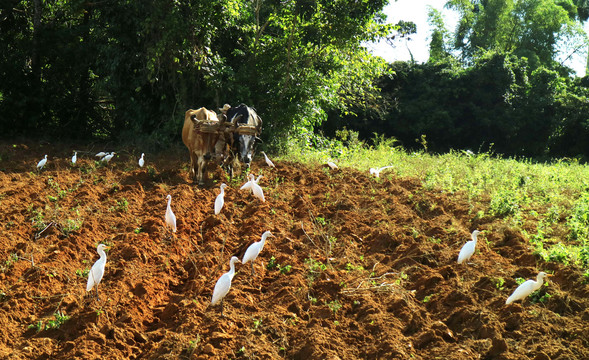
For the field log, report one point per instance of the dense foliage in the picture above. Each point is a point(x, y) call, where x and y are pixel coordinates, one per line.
point(114, 68)
point(493, 83)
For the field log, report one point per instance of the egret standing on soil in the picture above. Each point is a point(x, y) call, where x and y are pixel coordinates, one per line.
point(108, 157)
point(254, 249)
point(170, 217)
point(101, 154)
point(468, 248)
point(75, 157)
point(42, 163)
point(376, 172)
point(220, 200)
point(257, 190)
point(224, 284)
point(248, 185)
point(141, 160)
point(527, 288)
point(268, 161)
point(332, 165)
point(97, 272)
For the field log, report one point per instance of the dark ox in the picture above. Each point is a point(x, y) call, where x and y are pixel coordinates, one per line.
point(244, 137)
point(200, 144)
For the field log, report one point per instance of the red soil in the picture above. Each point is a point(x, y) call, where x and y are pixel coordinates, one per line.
point(363, 268)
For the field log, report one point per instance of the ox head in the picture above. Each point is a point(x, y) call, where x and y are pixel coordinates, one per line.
point(245, 140)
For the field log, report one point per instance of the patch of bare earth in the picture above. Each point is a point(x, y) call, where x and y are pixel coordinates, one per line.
point(359, 268)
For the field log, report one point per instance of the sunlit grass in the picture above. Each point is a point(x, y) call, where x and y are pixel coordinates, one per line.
point(547, 202)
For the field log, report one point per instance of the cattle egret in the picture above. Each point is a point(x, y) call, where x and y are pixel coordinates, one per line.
point(376, 172)
point(101, 154)
point(170, 217)
point(75, 157)
point(97, 272)
point(141, 160)
point(248, 184)
point(219, 201)
point(527, 288)
point(224, 284)
point(257, 190)
point(42, 163)
point(468, 248)
point(254, 249)
point(108, 157)
point(332, 165)
point(268, 161)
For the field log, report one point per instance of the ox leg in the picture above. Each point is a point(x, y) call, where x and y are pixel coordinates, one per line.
point(193, 165)
point(201, 170)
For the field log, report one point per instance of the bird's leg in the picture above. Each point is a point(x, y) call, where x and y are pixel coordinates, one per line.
point(253, 272)
point(222, 308)
point(97, 297)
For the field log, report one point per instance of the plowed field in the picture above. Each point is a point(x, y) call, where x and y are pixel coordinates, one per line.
point(359, 268)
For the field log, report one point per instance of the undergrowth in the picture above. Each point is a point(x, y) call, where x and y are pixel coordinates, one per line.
point(547, 201)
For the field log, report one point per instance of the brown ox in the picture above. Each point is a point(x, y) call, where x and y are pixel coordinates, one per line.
point(200, 144)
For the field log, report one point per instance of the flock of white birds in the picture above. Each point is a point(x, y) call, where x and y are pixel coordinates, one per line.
point(224, 283)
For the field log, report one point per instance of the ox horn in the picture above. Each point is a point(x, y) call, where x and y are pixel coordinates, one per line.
point(259, 139)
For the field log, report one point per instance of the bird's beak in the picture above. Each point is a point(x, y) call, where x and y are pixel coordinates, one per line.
point(549, 275)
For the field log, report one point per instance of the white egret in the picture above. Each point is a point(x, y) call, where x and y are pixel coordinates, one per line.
point(332, 165)
point(170, 217)
point(468, 248)
point(268, 161)
point(101, 154)
point(254, 249)
point(141, 160)
point(527, 288)
point(220, 200)
point(108, 157)
point(42, 163)
point(376, 172)
point(75, 157)
point(257, 190)
point(224, 284)
point(97, 271)
point(248, 184)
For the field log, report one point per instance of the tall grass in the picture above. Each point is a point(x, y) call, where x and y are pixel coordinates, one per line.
point(547, 202)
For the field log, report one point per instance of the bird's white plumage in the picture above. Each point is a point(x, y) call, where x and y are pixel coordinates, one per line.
point(75, 157)
point(332, 165)
point(170, 217)
point(141, 160)
point(220, 200)
point(97, 271)
point(42, 163)
point(376, 171)
point(254, 249)
point(224, 283)
point(101, 154)
point(248, 184)
point(526, 288)
point(108, 157)
point(257, 190)
point(468, 249)
point(268, 161)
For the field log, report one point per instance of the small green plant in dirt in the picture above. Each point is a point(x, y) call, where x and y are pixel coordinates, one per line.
point(314, 269)
point(257, 323)
point(320, 220)
point(334, 306)
point(498, 282)
point(60, 319)
point(121, 206)
point(83, 273)
point(72, 225)
point(427, 298)
point(351, 267)
point(272, 264)
point(12, 258)
point(284, 269)
point(37, 219)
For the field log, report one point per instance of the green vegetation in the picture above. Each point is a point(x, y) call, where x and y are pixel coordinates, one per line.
point(548, 202)
point(60, 319)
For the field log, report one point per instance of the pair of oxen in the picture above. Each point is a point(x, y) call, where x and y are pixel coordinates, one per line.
point(220, 138)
